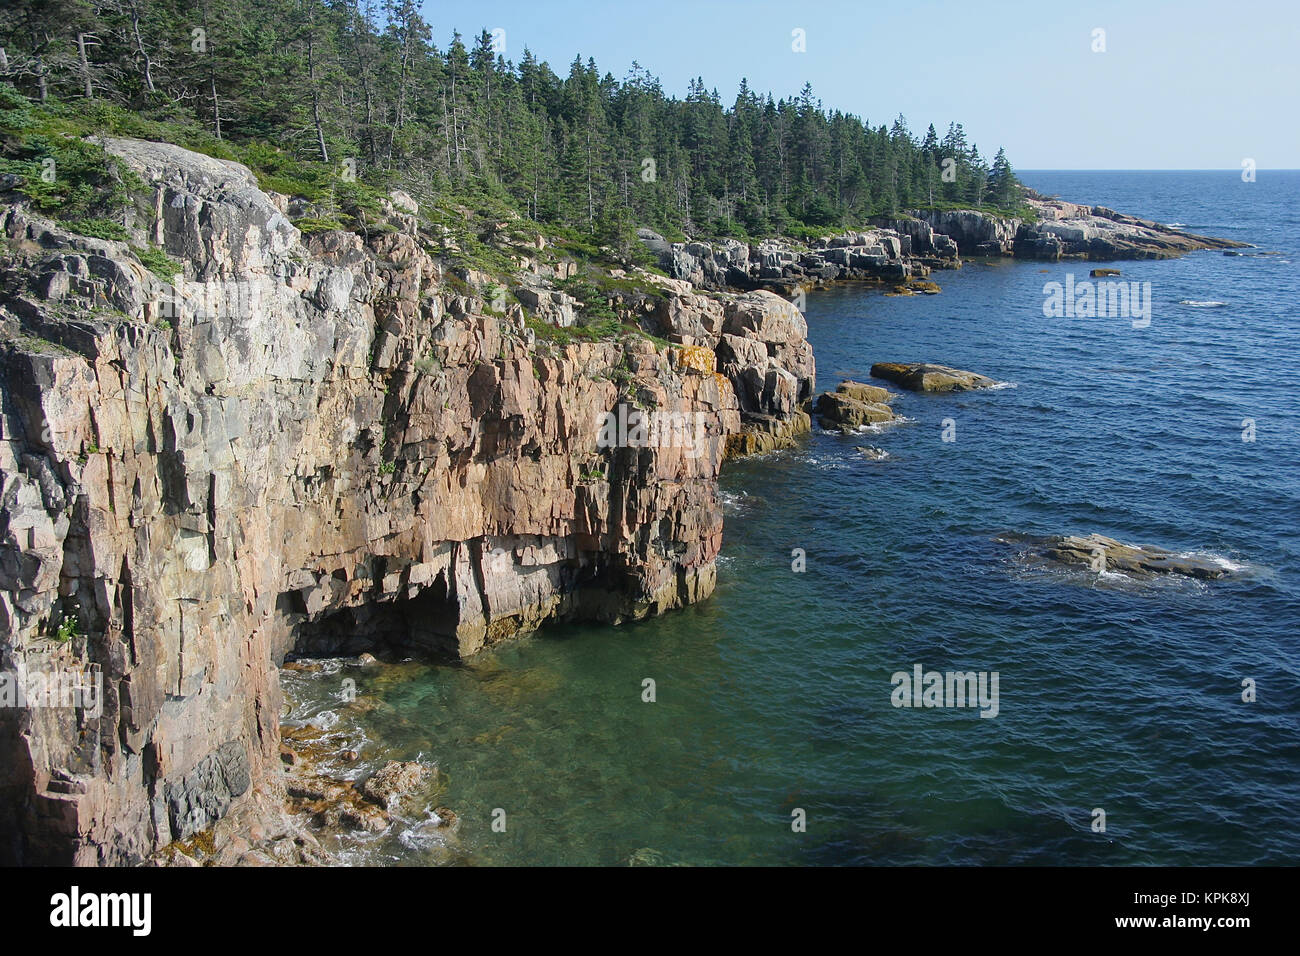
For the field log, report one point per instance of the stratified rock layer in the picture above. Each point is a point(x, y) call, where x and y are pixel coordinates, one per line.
point(314, 445)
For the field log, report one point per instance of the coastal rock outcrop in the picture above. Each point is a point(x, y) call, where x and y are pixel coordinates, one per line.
point(317, 444)
point(1104, 553)
point(926, 377)
point(903, 248)
point(854, 405)
point(1066, 230)
point(975, 233)
point(899, 248)
point(1057, 229)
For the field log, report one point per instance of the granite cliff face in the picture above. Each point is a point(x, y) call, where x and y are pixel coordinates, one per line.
point(325, 445)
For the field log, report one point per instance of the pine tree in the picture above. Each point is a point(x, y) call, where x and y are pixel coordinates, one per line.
point(362, 80)
point(1002, 181)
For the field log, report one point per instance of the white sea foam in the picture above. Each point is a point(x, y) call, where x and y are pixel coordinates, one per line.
point(424, 833)
point(1229, 565)
point(734, 502)
point(1201, 303)
point(875, 428)
point(824, 462)
point(324, 720)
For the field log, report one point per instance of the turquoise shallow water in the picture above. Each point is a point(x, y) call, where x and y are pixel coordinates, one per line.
point(775, 694)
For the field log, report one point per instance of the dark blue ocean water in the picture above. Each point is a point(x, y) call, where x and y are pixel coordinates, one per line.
point(774, 696)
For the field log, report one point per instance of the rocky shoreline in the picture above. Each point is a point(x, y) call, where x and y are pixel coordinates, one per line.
point(332, 444)
point(902, 249)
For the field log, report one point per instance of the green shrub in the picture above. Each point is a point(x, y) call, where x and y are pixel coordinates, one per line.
point(100, 229)
point(158, 262)
point(312, 224)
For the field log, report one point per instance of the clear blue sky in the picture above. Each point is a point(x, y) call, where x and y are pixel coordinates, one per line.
point(1183, 84)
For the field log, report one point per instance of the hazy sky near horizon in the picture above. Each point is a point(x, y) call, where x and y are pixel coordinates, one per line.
point(1182, 84)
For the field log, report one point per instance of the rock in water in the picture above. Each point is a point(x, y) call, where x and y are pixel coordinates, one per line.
point(853, 405)
point(863, 392)
point(1141, 560)
point(396, 780)
point(924, 377)
point(1101, 553)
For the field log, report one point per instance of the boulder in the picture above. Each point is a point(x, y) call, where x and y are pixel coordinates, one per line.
point(924, 377)
point(1098, 552)
point(654, 242)
point(395, 781)
point(853, 405)
point(1136, 560)
point(866, 393)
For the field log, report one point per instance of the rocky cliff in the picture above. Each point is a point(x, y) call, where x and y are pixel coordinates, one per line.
point(1066, 230)
point(324, 444)
point(903, 248)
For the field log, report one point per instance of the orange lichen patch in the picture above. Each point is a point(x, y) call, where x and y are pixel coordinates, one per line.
point(695, 357)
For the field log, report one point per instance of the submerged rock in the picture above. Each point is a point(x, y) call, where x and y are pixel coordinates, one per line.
point(321, 798)
point(1133, 559)
point(925, 377)
point(648, 856)
point(1100, 553)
